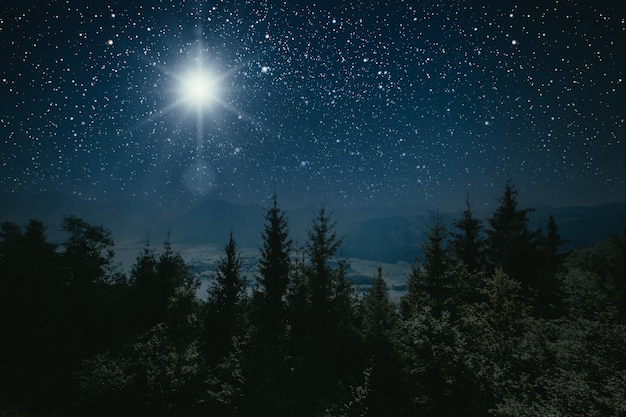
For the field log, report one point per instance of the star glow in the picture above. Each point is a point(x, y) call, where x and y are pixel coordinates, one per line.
point(199, 89)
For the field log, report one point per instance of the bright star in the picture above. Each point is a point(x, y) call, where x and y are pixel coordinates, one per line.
point(199, 88)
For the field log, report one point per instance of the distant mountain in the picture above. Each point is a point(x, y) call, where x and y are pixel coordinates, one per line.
point(372, 233)
point(398, 238)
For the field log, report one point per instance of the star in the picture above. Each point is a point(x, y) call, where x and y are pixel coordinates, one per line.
point(198, 89)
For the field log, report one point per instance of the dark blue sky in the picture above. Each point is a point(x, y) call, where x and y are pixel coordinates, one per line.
point(355, 102)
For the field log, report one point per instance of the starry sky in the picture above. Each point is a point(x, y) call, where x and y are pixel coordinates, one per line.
point(354, 102)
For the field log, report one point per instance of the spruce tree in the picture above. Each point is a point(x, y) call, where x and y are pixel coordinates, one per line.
point(274, 270)
point(380, 326)
point(321, 246)
point(178, 288)
point(148, 295)
point(226, 298)
point(510, 245)
point(154, 281)
point(268, 371)
point(427, 283)
point(322, 333)
point(467, 245)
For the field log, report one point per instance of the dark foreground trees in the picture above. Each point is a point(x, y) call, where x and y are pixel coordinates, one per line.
point(495, 322)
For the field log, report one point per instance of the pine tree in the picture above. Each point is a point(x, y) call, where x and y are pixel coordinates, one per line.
point(274, 270)
point(148, 294)
point(322, 332)
point(268, 371)
point(380, 326)
point(321, 246)
point(154, 281)
point(178, 288)
point(434, 250)
point(551, 244)
point(225, 304)
point(173, 269)
point(427, 283)
point(468, 243)
point(510, 245)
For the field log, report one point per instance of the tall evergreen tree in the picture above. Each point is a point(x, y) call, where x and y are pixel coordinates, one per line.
point(225, 304)
point(321, 245)
point(435, 251)
point(322, 319)
point(274, 270)
point(154, 281)
point(149, 296)
point(380, 326)
point(427, 283)
point(177, 287)
point(551, 243)
point(467, 245)
point(510, 245)
point(268, 369)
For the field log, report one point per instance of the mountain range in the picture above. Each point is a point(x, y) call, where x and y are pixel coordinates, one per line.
point(375, 233)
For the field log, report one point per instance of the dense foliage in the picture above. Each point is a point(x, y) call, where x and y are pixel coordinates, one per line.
point(495, 321)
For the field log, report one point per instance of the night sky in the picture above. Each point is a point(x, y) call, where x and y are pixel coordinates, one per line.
point(356, 103)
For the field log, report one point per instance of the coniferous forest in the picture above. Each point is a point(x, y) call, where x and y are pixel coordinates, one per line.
point(496, 321)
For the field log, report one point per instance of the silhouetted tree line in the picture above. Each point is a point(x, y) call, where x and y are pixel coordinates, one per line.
point(495, 321)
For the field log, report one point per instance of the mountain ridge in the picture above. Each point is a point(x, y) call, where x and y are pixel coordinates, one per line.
point(379, 234)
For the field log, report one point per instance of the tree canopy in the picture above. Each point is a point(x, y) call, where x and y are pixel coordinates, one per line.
point(495, 321)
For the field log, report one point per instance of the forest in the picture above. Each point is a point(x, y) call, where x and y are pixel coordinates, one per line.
point(496, 321)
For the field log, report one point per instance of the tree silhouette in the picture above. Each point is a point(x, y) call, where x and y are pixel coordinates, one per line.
point(225, 303)
point(79, 340)
point(467, 244)
point(427, 283)
point(510, 245)
point(34, 360)
point(148, 294)
point(267, 376)
point(379, 331)
point(322, 326)
point(274, 269)
point(87, 258)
